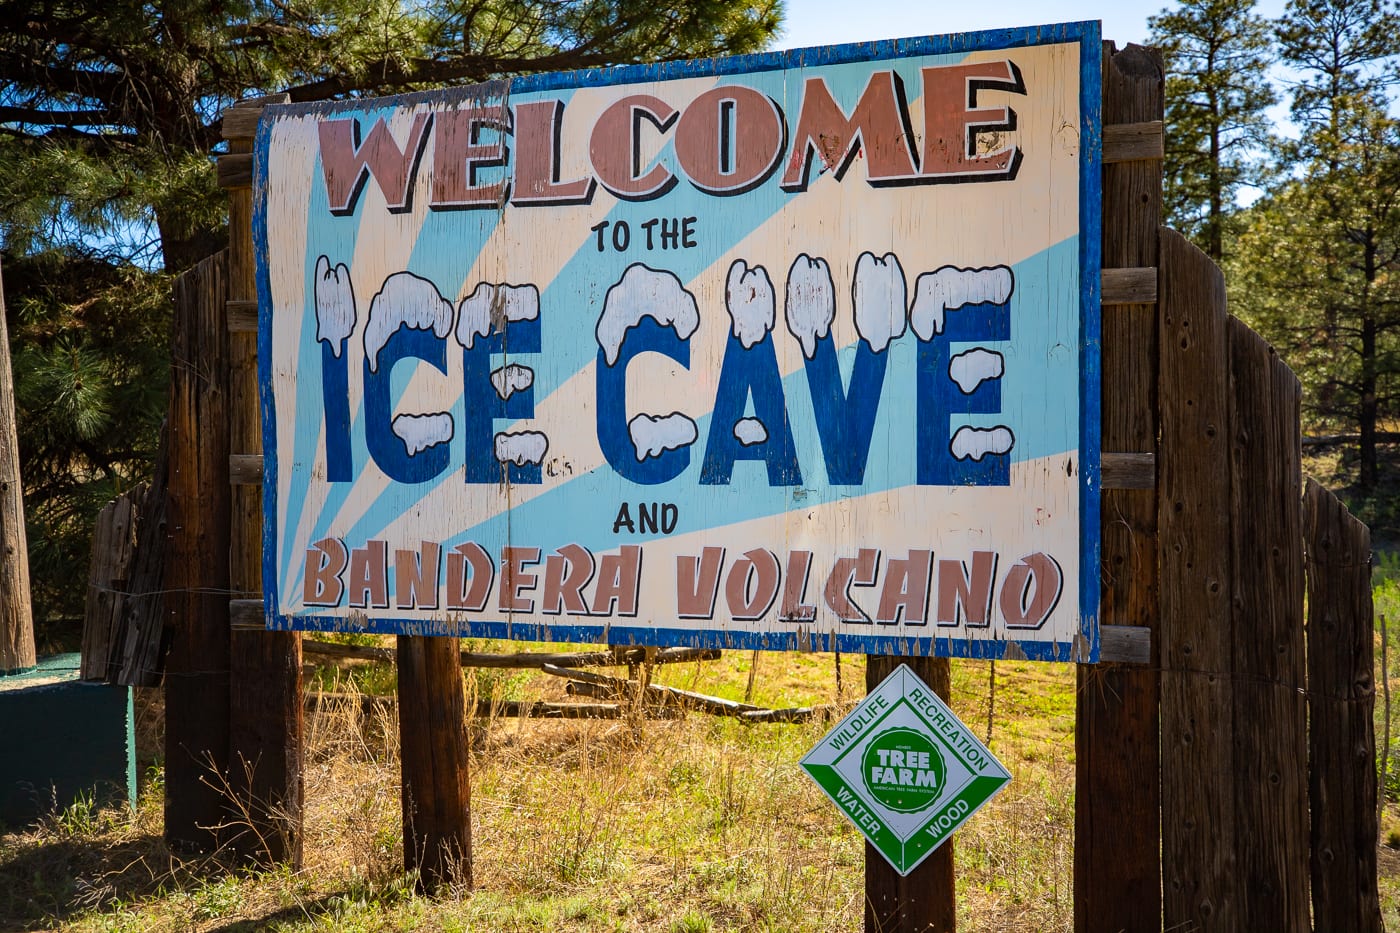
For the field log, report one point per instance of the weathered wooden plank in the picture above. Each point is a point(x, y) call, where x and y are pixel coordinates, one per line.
point(234, 170)
point(700, 701)
point(1270, 749)
point(1129, 142)
point(1128, 286)
point(1117, 886)
point(266, 691)
point(433, 741)
point(1125, 644)
point(1128, 470)
point(16, 611)
point(246, 615)
point(113, 546)
point(143, 624)
point(242, 317)
point(240, 121)
point(245, 469)
point(1199, 846)
point(924, 901)
point(1341, 702)
point(197, 680)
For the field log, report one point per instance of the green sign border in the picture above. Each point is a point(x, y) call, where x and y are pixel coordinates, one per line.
point(905, 856)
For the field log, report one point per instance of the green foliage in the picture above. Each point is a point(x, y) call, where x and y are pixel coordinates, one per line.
point(109, 110)
point(1217, 54)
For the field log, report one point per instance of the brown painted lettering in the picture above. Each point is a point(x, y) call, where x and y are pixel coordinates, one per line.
point(963, 595)
point(369, 576)
point(697, 583)
point(729, 139)
point(457, 155)
point(906, 590)
point(326, 560)
point(538, 126)
point(1031, 592)
point(515, 580)
point(565, 575)
point(860, 570)
point(954, 125)
point(878, 126)
point(469, 591)
point(619, 582)
point(346, 162)
point(798, 569)
point(752, 584)
point(416, 576)
point(616, 147)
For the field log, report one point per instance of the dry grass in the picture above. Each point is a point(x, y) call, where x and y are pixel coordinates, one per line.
point(689, 825)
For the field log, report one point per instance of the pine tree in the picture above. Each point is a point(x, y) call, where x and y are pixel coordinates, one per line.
point(109, 110)
point(1217, 54)
point(1319, 270)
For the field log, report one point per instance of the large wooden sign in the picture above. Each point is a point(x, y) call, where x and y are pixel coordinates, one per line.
point(791, 350)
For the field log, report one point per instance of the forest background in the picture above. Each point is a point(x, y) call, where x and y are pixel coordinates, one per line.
point(109, 122)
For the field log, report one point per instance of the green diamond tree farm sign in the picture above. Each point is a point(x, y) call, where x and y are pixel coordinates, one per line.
point(905, 770)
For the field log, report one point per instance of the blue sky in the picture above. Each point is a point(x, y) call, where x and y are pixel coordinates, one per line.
point(831, 22)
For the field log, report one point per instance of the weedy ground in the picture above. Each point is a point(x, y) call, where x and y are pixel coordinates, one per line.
point(685, 826)
point(689, 825)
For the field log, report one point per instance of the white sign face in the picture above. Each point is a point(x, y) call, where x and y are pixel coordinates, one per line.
point(786, 351)
point(905, 770)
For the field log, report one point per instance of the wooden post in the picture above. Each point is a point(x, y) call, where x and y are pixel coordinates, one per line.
point(1117, 884)
point(16, 611)
point(196, 574)
point(1341, 703)
point(265, 731)
point(436, 794)
point(1200, 887)
point(1270, 746)
point(925, 901)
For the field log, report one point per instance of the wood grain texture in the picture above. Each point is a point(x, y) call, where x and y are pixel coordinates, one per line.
point(1117, 886)
point(436, 792)
point(1129, 286)
point(924, 901)
point(266, 718)
point(113, 547)
point(1270, 749)
point(197, 665)
point(1200, 885)
point(242, 317)
point(245, 469)
point(16, 610)
point(1341, 702)
point(1125, 644)
point(1128, 470)
point(1129, 142)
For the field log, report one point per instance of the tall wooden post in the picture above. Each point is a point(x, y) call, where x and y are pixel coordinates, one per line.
point(437, 838)
point(925, 900)
point(265, 697)
point(196, 570)
point(1118, 887)
point(16, 611)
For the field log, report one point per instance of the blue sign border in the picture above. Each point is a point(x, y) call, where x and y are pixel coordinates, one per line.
point(1086, 34)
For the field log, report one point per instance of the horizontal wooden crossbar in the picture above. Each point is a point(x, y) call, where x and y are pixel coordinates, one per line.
point(1125, 644)
point(246, 615)
point(1131, 142)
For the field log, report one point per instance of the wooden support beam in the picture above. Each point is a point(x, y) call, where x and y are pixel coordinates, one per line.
point(1129, 286)
point(16, 613)
point(242, 317)
point(436, 793)
point(925, 900)
point(1130, 142)
point(265, 711)
point(196, 571)
point(1128, 470)
point(524, 660)
point(1118, 887)
point(1341, 703)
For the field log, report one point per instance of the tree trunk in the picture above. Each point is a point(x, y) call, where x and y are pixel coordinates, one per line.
point(16, 613)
